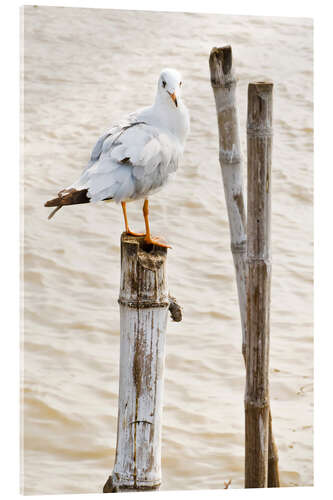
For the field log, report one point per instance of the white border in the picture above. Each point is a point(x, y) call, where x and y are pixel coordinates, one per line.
point(323, 230)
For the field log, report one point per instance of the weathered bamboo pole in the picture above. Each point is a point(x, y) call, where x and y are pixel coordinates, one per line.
point(259, 145)
point(223, 82)
point(144, 307)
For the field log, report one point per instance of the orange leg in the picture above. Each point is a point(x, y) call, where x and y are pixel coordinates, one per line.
point(148, 239)
point(128, 231)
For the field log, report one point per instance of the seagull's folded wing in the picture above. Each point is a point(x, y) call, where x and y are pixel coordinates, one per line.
point(130, 161)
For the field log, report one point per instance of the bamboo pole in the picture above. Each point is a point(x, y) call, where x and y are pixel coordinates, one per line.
point(144, 306)
point(257, 419)
point(223, 82)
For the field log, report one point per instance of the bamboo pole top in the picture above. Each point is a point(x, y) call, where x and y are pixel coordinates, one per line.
point(266, 86)
point(220, 63)
point(259, 111)
point(150, 256)
point(143, 273)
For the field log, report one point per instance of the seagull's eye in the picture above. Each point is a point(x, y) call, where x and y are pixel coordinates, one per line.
point(180, 84)
point(164, 83)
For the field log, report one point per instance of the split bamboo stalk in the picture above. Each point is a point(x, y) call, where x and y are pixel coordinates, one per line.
point(144, 307)
point(257, 414)
point(223, 82)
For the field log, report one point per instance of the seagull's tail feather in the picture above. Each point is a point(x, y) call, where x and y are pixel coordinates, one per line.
point(67, 197)
point(54, 211)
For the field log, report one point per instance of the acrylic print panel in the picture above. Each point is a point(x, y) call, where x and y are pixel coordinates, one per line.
point(83, 70)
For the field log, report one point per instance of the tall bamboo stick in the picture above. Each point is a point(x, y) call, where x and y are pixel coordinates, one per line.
point(259, 144)
point(144, 306)
point(224, 87)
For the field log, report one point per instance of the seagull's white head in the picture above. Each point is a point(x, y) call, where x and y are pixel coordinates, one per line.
point(169, 87)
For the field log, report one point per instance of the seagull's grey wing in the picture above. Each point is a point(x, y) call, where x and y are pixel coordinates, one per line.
point(130, 163)
point(96, 152)
point(112, 134)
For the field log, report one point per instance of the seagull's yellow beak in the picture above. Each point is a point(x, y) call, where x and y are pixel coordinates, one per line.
point(174, 98)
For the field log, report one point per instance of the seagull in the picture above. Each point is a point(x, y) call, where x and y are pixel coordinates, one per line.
point(135, 158)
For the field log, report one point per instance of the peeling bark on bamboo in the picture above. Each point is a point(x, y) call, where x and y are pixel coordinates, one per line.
point(144, 306)
point(259, 144)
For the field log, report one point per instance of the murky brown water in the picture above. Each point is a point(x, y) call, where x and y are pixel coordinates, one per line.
point(83, 69)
